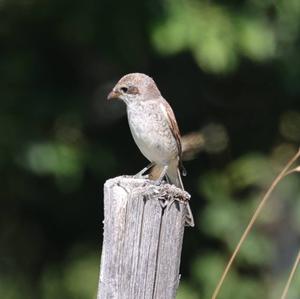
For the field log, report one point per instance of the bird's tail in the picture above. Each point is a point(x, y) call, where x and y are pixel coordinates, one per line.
point(173, 174)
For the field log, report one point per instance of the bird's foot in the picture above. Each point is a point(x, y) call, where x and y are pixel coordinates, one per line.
point(161, 180)
point(158, 182)
point(141, 176)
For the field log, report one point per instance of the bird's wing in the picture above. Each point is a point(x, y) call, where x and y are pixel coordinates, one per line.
point(167, 110)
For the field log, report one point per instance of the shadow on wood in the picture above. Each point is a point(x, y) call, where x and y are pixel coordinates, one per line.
point(143, 234)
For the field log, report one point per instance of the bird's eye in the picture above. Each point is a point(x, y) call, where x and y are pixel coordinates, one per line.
point(124, 89)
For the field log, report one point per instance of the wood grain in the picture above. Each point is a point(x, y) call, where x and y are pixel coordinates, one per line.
point(143, 235)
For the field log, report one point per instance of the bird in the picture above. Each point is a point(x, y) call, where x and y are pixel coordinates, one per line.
point(154, 128)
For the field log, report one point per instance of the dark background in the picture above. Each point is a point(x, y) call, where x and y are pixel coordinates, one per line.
point(230, 70)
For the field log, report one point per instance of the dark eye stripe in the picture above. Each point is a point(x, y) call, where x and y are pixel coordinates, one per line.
point(130, 89)
point(133, 90)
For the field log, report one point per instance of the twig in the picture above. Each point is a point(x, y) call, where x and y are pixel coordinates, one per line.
point(252, 220)
point(287, 286)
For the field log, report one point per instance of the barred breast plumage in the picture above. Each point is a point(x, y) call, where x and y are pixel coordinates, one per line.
point(151, 132)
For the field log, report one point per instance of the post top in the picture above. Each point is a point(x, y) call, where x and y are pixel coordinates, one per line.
point(164, 191)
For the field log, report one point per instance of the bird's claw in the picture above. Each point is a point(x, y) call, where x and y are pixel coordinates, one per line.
point(158, 182)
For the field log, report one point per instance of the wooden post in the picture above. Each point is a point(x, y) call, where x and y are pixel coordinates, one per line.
point(143, 234)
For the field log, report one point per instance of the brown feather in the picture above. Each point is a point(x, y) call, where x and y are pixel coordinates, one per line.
point(176, 133)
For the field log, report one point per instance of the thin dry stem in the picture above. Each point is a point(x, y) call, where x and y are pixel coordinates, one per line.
point(287, 286)
point(252, 220)
point(296, 169)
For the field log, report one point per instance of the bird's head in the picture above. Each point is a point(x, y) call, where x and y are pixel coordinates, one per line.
point(134, 87)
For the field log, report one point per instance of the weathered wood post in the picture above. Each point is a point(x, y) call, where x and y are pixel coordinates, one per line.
point(143, 234)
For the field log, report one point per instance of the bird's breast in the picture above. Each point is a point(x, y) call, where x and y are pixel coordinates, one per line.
point(152, 134)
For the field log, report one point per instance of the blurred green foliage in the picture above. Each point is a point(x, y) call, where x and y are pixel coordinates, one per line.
point(230, 70)
point(219, 34)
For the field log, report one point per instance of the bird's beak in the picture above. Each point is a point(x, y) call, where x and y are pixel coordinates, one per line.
point(114, 94)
